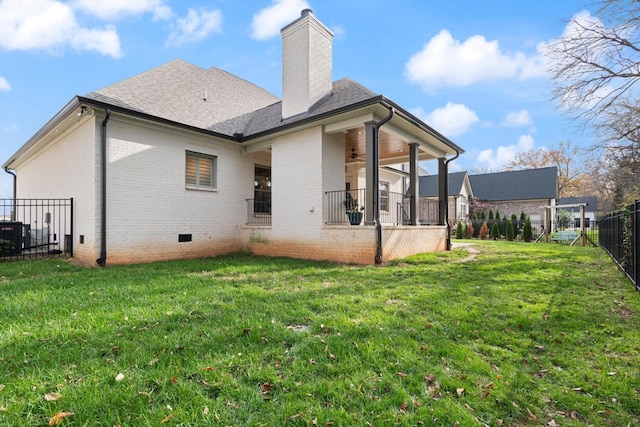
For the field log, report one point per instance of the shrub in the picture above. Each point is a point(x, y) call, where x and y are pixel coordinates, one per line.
point(517, 229)
point(490, 213)
point(483, 215)
point(484, 231)
point(509, 231)
point(469, 232)
point(527, 233)
point(503, 225)
point(459, 230)
point(495, 231)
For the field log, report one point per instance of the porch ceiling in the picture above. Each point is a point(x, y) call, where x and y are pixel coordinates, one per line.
point(392, 147)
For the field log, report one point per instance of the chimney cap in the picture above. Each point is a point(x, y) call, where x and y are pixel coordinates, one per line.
point(306, 12)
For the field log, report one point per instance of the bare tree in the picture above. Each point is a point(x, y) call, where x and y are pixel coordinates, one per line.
point(596, 67)
point(596, 63)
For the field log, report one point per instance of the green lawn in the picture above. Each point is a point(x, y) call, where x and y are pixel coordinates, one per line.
point(524, 334)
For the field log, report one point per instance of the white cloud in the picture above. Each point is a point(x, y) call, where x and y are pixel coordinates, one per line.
point(444, 61)
point(113, 9)
point(51, 25)
point(450, 120)
point(518, 118)
point(196, 26)
point(4, 85)
point(491, 159)
point(269, 21)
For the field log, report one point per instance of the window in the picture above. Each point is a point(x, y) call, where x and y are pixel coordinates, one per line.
point(201, 171)
point(384, 196)
point(262, 189)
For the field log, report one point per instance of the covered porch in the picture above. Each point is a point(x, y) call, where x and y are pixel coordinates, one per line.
point(360, 190)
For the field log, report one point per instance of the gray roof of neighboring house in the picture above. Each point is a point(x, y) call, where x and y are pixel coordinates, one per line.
point(428, 185)
point(592, 202)
point(516, 185)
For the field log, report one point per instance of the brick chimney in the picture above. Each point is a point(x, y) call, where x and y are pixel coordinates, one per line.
point(306, 63)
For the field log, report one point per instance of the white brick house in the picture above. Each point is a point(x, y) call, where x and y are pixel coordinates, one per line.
point(181, 162)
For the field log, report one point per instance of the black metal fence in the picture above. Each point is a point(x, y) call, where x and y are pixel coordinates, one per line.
point(620, 237)
point(35, 228)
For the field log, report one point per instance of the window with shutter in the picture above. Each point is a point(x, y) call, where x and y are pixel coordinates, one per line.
point(200, 171)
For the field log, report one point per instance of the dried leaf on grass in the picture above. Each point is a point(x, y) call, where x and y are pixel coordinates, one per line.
point(57, 418)
point(166, 419)
point(51, 397)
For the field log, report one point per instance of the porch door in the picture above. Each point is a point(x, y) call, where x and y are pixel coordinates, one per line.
point(262, 189)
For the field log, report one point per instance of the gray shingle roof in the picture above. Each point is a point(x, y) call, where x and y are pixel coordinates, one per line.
point(176, 91)
point(516, 185)
point(344, 92)
point(592, 202)
point(185, 93)
point(428, 185)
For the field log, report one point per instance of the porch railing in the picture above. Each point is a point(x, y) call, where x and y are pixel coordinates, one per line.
point(258, 212)
point(394, 207)
point(31, 228)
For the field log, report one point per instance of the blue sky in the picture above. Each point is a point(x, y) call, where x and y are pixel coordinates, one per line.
point(471, 69)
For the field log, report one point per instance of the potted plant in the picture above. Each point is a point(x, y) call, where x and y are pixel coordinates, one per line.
point(353, 210)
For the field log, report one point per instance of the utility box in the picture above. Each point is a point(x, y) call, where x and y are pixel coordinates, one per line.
point(11, 232)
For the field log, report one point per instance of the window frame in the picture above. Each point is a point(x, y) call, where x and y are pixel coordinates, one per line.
point(213, 165)
point(383, 195)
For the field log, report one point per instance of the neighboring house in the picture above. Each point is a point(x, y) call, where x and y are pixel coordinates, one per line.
point(572, 204)
point(514, 192)
point(181, 162)
point(459, 190)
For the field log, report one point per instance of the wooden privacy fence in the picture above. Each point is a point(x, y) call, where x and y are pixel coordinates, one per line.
point(620, 237)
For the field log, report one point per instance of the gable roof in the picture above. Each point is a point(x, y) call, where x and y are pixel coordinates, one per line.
point(185, 93)
point(428, 185)
point(516, 185)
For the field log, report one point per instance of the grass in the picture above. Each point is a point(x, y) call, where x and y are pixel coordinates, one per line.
point(524, 334)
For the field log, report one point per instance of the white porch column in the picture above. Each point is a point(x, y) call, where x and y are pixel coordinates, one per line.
point(414, 183)
point(443, 196)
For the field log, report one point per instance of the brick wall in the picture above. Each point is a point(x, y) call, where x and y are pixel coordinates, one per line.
point(149, 206)
point(65, 168)
point(529, 207)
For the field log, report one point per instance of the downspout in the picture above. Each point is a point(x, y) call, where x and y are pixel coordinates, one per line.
point(15, 193)
point(102, 261)
point(446, 205)
point(376, 212)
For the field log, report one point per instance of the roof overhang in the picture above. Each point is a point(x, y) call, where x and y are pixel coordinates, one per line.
point(402, 128)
